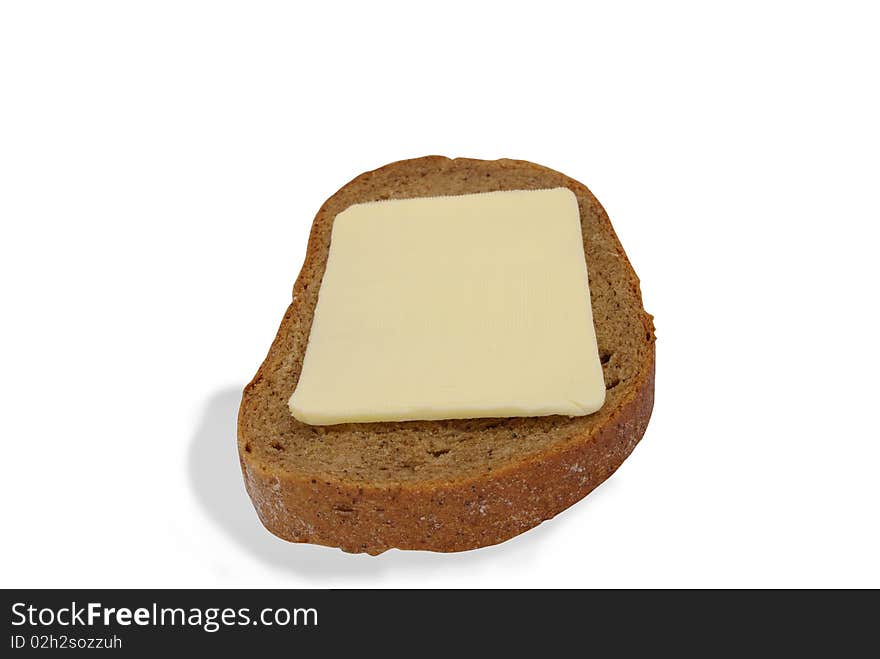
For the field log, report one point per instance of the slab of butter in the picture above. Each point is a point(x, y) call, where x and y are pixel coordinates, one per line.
point(453, 307)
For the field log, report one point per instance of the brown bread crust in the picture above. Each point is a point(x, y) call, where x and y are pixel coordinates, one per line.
point(443, 485)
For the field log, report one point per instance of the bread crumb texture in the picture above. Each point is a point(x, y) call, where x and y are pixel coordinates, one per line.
point(443, 485)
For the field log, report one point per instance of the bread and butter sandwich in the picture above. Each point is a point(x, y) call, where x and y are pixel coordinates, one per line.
point(466, 355)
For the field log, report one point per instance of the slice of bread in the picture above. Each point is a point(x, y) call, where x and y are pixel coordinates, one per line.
point(443, 485)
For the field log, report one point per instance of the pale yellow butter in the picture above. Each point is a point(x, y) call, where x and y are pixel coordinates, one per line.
point(453, 307)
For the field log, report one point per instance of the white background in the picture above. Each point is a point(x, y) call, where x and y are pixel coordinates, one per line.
point(160, 165)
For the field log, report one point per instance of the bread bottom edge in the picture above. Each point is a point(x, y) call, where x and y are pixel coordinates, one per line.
point(450, 517)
